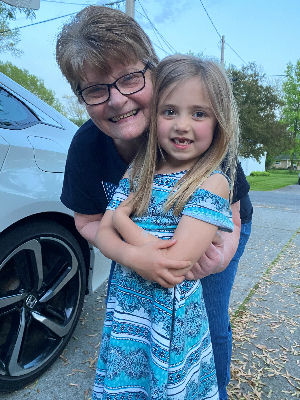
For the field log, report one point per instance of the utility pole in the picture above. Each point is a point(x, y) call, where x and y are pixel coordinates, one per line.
point(222, 50)
point(130, 8)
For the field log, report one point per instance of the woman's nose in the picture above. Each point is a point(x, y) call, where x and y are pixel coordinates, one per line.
point(116, 99)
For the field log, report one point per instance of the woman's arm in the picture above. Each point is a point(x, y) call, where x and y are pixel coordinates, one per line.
point(87, 225)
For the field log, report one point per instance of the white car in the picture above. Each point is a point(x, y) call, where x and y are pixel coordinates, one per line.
point(46, 267)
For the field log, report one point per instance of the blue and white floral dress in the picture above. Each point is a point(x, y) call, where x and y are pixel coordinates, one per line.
point(156, 343)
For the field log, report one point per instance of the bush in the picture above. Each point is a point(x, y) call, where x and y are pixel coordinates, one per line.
point(260, 173)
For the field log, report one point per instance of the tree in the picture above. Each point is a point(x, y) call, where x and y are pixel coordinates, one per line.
point(32, 83)
point(259, 109)
point(76, 112)
point(9, 38)
point(291, 109)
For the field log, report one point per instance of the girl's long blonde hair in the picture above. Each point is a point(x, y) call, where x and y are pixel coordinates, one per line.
point(180, 68)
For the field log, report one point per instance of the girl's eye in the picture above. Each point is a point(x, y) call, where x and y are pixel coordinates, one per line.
point(199, 114)
point(169, 112)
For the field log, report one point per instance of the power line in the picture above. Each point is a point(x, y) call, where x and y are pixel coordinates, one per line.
point(37, 23)
point(83, 4)
point(63, 2)
point(236, 53)
point(62, 16)
point(156, 32)
point(149, 22)
point(152, 40)
point(219, 33)
point(210, 19)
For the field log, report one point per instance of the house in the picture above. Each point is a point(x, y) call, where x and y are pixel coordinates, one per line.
point(283, 161)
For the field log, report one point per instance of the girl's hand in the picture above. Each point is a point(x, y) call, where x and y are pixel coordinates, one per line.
point(149, 263)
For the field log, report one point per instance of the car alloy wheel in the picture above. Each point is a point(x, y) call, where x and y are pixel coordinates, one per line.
point(42, 287)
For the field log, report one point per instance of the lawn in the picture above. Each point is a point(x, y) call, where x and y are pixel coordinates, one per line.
point(277, 180)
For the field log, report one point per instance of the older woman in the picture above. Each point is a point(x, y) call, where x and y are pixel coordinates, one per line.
point(108, 60)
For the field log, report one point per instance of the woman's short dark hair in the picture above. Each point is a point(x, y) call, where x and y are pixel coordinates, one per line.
point(101, 37)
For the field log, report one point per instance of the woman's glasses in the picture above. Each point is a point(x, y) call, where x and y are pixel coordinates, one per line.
point(126, 84)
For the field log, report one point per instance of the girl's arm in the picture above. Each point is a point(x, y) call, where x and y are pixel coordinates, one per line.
point(129, 230)
point(193, 236)
point(220, 252)
point(146, 260)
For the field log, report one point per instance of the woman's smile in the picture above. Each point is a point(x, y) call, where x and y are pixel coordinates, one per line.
point(121, 117)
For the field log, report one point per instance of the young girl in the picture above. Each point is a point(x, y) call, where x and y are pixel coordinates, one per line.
point(156, 343)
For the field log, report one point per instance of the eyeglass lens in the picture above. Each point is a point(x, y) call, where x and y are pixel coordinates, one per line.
point(127, 84)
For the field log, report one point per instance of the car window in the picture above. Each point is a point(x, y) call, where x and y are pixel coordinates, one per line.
point(43, 117)
point(13, 113)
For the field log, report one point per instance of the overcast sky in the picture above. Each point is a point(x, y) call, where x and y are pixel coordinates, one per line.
point(264, 31)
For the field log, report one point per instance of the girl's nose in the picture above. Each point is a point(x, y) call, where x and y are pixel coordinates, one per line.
point(116, 99)
point(182, 124)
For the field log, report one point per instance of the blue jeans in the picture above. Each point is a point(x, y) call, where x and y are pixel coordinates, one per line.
point(216, 293)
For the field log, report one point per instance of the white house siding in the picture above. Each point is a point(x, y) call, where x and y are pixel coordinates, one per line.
point(250, 164)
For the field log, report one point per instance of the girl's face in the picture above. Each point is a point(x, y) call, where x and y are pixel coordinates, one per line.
point(185, 123)
point(121, 117)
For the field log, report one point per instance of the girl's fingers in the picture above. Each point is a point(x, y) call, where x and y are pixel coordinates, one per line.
point(164, 244)
point(169, 281)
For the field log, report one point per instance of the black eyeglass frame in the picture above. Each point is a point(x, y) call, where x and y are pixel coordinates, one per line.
point(114, 84)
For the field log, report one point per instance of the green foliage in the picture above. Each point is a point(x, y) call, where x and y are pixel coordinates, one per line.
point(199, 55)
point(291, 109)
point(276, 180)
point(32, 83)
point(9, 38)
point(259, 105)
point(270, 159)
point(76, 112)
point(77, 121)
point(260, 173)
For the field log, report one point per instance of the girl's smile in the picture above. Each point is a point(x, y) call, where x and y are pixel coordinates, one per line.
point(185, 123)
point(181, 143)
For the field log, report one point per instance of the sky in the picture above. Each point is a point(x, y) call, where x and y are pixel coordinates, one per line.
point(264, 31)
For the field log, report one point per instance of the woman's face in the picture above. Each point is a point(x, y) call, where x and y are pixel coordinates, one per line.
point(123, 118)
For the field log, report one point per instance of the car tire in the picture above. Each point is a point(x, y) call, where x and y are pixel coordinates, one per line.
point(42, 288)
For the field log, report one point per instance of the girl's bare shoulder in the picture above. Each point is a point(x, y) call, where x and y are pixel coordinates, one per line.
point(218, 184)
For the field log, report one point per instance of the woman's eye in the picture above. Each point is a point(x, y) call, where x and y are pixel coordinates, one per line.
point(96, 91)
point(199, 114)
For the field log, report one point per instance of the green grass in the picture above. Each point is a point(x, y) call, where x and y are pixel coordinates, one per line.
point(277, 180)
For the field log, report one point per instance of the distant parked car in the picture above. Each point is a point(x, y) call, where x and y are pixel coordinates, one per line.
point(46, 267)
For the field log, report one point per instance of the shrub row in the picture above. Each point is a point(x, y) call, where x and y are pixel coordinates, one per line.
point(260, 173)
